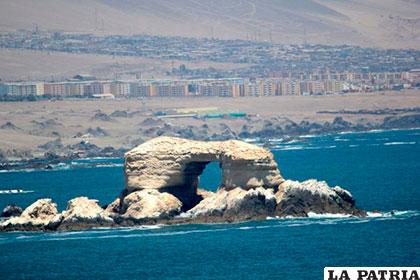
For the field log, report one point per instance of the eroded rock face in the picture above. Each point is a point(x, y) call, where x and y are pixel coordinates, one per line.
point(114, 207)
point(234, 205)
point(83, 212)
point(39, 215)
point(173, 165)
point(150, 204)
point(299, 198)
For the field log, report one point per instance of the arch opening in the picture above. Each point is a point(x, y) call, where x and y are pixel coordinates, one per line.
point(206, 175)
point(211, 177)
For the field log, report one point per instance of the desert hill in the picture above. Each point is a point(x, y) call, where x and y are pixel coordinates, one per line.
point(378, 23)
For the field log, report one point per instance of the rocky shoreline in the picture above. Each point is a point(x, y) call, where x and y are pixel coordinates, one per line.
point(56, 152)
point(162, 188)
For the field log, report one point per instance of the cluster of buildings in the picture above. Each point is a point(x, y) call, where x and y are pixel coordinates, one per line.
point(287, 84)
point(258, 57)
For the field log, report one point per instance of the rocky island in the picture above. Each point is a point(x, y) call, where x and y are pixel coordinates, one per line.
point(162, 178)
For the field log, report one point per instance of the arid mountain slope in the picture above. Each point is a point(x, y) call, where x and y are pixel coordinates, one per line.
point(379, 23)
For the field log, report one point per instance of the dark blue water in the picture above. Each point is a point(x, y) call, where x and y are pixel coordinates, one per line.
point(381, 170)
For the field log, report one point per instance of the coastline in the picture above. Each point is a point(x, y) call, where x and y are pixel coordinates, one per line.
point(115, 159)
point(56, 131)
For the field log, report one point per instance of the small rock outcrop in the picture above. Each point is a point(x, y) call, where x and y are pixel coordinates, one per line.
point(234, 205)
point(83, 212)
point(11, 211)
point(39, 215)
point(150, 204)
point(299, 198)
point(162, 187)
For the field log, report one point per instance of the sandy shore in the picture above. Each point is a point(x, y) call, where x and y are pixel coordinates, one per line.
point(26, 126)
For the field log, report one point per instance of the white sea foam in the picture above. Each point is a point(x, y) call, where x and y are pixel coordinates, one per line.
point(109, 165)
point(399, 143)
point(309, 136)
point(275, 140)
point(291, 148)
point(273, 218)
point(60, 166)
point(376, 131)
point(15, 191)
point(98, 158)
point(292, 142)
point(315, 215)
point(19, 170)
point(341, 140)
point(347, 132)
point(246, 228)
point(250, 140)
point(297, 148)
point(394, 214)
point(374, 214)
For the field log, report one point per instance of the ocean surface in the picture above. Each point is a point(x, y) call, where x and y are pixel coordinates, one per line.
point(380, 168)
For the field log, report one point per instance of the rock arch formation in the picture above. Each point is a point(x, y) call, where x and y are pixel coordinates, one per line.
point(173, 165)
point(162, 178)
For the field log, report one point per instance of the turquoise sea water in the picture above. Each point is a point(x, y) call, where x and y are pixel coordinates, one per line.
point(381, 169)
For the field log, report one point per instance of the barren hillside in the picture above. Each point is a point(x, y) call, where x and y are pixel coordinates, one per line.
point(379, 23)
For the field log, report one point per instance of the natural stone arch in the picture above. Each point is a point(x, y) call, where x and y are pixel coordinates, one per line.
point(173, 165)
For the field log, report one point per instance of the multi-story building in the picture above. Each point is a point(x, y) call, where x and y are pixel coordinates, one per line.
point(93, 88)
point(139, 89)
point(25, 89)
point(333, 86)
point(119, 88)
point(73, 89)
point(289, 87)
point(222, 88)
point(169, 88)
point(55, 89)
point(414, 76)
